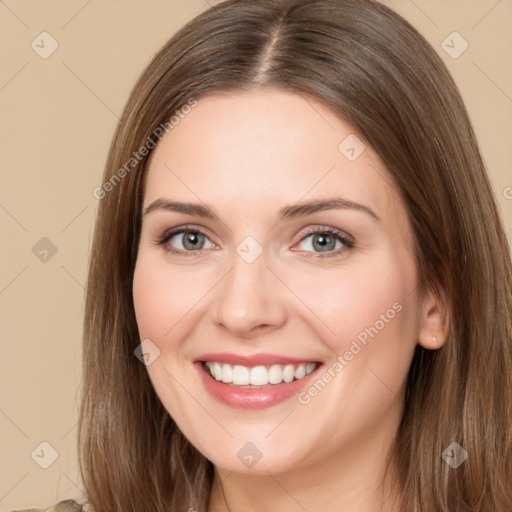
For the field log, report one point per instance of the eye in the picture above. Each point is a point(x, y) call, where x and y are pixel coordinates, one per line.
point(184, 240)
point(325, 242)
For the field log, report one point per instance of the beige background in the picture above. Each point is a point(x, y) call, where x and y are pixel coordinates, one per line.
point(58, 117)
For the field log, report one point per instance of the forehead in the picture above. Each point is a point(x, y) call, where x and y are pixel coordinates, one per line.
point(235, 150)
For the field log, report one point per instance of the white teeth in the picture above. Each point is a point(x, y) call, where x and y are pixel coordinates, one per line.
point(258, 375)
point(300, 371)
point(289, 372)
point(227, 373)
point(240, 375)
point(275, 374)
point(217, 371)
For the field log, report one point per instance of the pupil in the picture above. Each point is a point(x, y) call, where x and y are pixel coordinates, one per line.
point(192, 241)
point(324, 242)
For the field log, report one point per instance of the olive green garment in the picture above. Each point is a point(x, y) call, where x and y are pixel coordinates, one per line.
point(62, 506)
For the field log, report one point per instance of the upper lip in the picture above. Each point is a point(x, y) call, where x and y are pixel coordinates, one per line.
point(251, 360)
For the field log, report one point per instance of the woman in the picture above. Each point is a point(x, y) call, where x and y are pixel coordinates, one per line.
point(299, 291)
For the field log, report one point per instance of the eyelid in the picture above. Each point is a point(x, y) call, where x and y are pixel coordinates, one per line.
point(346, 239)
point(164, 237)
point(308, 231)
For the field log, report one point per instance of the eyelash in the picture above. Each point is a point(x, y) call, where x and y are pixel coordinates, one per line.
point(347, 242)
point(337, 234)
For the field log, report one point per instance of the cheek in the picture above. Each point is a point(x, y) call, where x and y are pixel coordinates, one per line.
point(371, 311)
point(152, 300)
point(165, 294)
point(162, 299)
point(366, 303)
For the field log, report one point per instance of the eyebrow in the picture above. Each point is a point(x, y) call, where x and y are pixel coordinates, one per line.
point(336, 203)
point(176, 206)
point(286, 213)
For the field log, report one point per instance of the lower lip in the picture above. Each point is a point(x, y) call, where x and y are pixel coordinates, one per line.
point(251, 398)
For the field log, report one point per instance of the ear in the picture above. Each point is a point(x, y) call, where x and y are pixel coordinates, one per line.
point(434, 320)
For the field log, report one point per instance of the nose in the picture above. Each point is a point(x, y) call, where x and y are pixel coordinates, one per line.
point(249, 300)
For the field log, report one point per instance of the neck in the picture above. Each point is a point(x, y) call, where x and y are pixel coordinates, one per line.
point(350, 480)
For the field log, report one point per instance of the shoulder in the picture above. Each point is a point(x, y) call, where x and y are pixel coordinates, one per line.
point(62, 506)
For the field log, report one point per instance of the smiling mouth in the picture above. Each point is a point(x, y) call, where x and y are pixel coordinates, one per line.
point(257, 376)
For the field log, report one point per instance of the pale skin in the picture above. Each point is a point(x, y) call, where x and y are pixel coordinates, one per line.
point(247, 156)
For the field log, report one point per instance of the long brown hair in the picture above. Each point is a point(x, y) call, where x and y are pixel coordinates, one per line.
point(374, 70)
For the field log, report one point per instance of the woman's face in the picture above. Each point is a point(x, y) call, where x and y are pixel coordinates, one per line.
point(286, 261)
